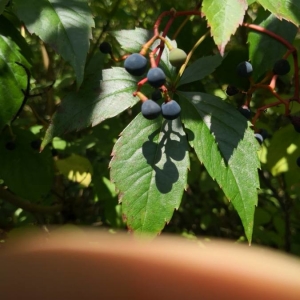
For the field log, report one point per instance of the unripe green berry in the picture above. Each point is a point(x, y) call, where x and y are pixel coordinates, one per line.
point(177, 57)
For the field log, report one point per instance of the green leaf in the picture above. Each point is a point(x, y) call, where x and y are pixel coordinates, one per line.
point(284, 9)
point(24, 170)
point(283, 151)
point(225, 144)
point(149, 167)
point(132, 40)
point(76, 168)
point(200, 68)
point(264, 50)
point(13, 79)
point(224, 17)
point(95, 101)
point(10, 30)
point(106, 192)
point(63, 24)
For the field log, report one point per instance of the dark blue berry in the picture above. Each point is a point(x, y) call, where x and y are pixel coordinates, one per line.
point(298, 161)
point(156, 95)
point(259, 138)
point(281, 67)
point(10, 145)
point(135, 64)
point(170, 110)
point(54, 152)
point(295, 120)
point(297, 128)
point(36, 144)
point(105, 48)
point(150, 109)
point(245, 111)
point(231, 90)
point(244, 69)
point(156, 77)
point(264, 133)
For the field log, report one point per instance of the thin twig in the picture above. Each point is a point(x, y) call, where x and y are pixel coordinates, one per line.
point(27, 205)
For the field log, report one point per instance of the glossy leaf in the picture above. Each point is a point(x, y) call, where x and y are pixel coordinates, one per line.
point(63, 24)
point(200, 68)
point(132, 40)
point(224, 17)
point(95, 101)
point(103, 94)
point(264, 50)
point(24, 170)
point(13, 79)
point(284, 9)
point(225, 144)
point(149, 167)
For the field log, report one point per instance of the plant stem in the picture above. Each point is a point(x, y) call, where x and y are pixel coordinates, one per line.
point(189, 56)
point(27, 205)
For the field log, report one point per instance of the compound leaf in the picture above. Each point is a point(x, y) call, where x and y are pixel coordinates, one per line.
point(95, 101)
point(284, 9)
point(149, 167)
point(224, 17)
point(226, 146)
point(200, 68)
point(264, 50)
point(103, 94)
point(24, 170)
point(63, 24)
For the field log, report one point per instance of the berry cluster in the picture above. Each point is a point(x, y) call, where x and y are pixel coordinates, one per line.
point(170, 110)
point(244, 69)
point(136, 64)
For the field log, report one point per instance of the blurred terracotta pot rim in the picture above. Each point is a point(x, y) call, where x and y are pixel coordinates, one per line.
point(90, 264)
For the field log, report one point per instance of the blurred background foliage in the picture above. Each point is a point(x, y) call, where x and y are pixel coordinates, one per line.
point(81, 185)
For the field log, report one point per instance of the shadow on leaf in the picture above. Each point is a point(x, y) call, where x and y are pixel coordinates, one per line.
point(166, 145)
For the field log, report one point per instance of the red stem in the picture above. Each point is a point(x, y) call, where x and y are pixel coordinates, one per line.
point(170, 22)
point(158, 21)
point(148, 45)
point(291, 48)
point(296, 76)
point(269, 88)
point(263, 108)
point(272, 34)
